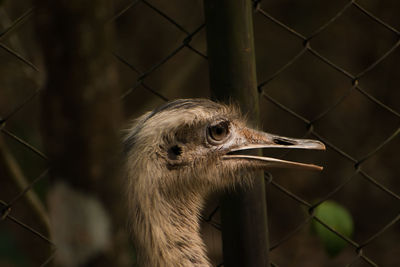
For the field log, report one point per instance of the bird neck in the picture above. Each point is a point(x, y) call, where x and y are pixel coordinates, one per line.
point(167, 230)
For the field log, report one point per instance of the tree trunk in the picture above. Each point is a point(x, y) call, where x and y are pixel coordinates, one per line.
point(81, 122)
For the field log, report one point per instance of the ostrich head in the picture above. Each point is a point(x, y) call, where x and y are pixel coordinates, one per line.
point(176, 155)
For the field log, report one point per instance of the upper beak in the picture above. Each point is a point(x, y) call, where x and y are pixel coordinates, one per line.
point(252, 139)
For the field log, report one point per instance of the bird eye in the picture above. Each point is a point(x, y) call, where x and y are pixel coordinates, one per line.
point(218, 133)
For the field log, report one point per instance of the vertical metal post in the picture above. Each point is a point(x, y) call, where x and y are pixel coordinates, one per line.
point(233, 76)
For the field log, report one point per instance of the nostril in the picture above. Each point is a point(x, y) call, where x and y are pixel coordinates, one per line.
point(283, 142)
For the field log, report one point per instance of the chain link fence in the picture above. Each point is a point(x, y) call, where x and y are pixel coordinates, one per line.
point(325, 70)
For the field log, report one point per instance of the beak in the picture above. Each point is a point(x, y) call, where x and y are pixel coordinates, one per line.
point(252, 139)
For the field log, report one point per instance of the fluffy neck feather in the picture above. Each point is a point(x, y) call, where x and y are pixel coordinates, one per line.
point(166, 228)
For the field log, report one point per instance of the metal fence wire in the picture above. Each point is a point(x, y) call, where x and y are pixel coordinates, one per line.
point(327, 70)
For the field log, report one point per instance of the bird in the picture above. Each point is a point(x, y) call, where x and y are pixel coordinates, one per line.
point(175, 156)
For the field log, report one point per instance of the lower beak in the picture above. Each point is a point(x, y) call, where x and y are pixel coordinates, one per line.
point(252, 139)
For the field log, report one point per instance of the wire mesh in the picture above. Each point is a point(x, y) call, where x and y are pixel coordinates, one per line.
point(351, 105)
point(354, 84)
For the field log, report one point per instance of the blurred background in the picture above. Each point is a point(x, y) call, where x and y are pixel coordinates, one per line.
point(325, 69)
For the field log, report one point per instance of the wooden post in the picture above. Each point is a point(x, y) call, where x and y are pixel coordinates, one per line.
point(232, 67)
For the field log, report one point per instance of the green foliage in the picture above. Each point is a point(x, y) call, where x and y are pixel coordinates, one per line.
point(338, 218)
